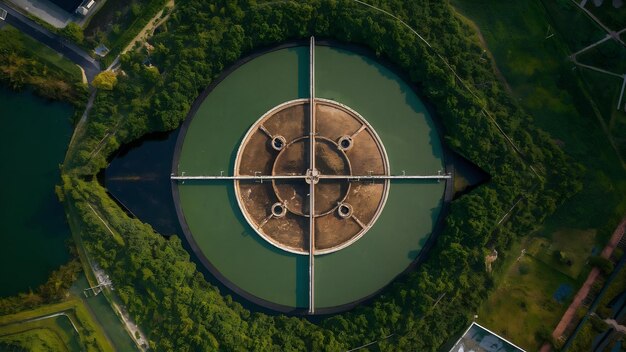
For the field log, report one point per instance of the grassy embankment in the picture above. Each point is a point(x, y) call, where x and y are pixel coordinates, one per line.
point(52, 59)
point(24, 62)
point(55, 333)
point(36, 339)
point(542, 80)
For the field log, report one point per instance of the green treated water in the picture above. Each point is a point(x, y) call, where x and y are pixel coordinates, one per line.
point(33, 229)
point(214, 218)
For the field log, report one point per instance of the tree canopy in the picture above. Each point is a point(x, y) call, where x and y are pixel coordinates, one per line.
point(163, 290)
point(105, 80)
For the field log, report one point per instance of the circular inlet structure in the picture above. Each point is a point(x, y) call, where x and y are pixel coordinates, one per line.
point(345, 143)
point(288, 123)
point(337, 224)
point(279, 210)
point(278, 142)
point(344, 210)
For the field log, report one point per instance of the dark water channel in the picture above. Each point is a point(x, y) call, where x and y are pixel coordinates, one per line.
point(138, 178)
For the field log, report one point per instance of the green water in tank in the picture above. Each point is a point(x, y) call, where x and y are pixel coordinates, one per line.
point(214, 218)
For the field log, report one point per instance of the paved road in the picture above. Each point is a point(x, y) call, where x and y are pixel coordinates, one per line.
point(45, 10)
point(52, 40)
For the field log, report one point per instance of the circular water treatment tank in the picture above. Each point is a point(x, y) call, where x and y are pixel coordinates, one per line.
point(291, 165)
point(255, 231)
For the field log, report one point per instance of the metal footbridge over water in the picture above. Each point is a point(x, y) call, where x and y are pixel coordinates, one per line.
point(312, 178)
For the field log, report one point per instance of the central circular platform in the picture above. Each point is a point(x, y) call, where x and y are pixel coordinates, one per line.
point(346, 147)
point(293, 193)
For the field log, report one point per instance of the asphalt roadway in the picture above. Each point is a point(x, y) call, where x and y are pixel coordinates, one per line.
point(52, 40)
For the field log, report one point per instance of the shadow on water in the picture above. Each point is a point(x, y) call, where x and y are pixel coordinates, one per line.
point(426, 242)
point(414, 97)
point(467, 175)
point(138, 179)
point(211, 273)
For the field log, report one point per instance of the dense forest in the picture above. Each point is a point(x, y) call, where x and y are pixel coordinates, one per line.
point(154, 276)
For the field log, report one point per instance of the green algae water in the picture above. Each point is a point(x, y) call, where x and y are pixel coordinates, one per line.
point(247, 263)
point(33, 229)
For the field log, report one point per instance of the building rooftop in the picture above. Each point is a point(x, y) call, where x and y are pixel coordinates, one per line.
point(480, 339)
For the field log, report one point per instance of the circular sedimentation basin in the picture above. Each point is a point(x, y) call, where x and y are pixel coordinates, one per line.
point(278, 145)
point(268, 264)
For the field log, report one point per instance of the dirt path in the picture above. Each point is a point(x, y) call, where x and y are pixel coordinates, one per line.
point(104, 222)
point(81, 123)
point(149, 28)
point(82, 72)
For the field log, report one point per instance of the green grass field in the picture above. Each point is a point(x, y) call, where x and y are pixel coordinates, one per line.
point(545, 83)
point(573, 243)
point(522, 307)
point(48, 56)
point(52, 334)
point(36, 339)
point(35, 328)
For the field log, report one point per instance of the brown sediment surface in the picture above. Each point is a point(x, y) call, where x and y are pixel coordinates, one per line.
point(363, 155)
